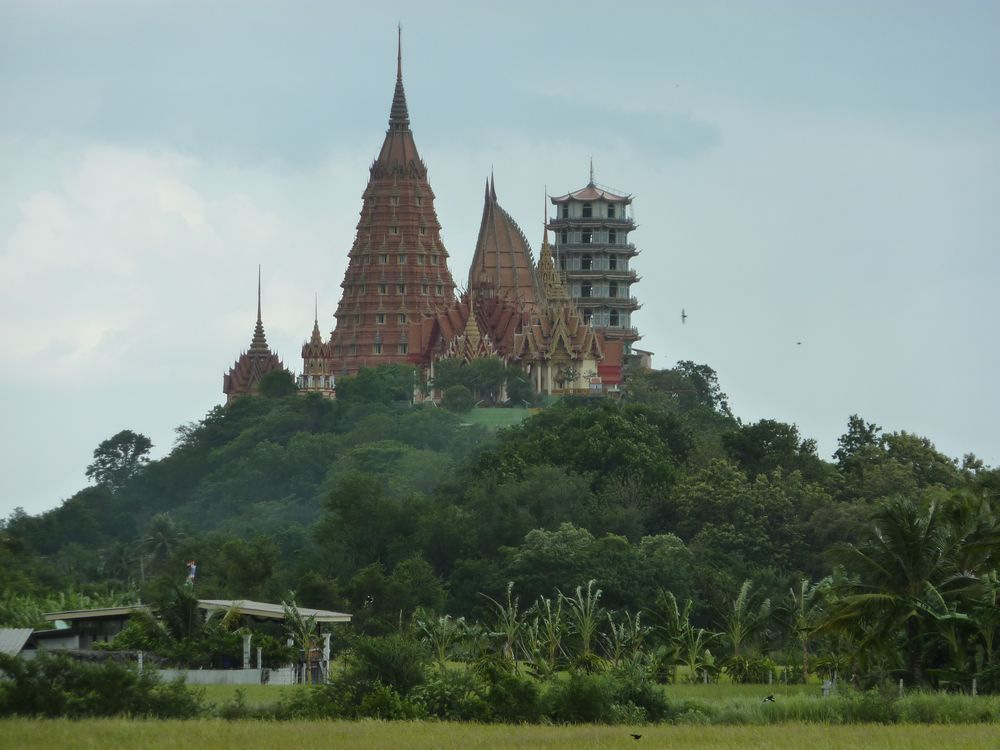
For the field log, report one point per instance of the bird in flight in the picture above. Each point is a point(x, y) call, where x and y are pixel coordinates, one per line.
point(684, 316)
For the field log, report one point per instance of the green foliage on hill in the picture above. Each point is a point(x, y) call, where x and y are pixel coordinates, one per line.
point(381, 508)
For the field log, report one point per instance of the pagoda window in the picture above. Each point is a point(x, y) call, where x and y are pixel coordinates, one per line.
point(402, 348)
point(380, 318)
point(383, 288)
point(423, 231)
point(425, 288)
point(439, 290)
point(588, 315)
point(401, 317)
point(611, 210)
point(434, 260)
point(420, 200)
point(615, 318)
point(612, 262)
point(585, 289)
point(563, 237)
point(383, 259)
point(421, 259)
point(377, 347)
point(394, 230)
point(613, 289)
point(588, 211)
point(401, 260)
point(586, 237)
point(400, 288)
point(565, 211)
point(393, 200)
point(586, 263)
point(612, 237)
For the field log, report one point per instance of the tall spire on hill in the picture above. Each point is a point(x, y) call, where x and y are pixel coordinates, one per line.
point(397, 268)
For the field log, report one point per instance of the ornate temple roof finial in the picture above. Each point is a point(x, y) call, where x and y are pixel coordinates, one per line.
point(259, 342)
point(493, 187)
point(591, 170)
point(399, 117)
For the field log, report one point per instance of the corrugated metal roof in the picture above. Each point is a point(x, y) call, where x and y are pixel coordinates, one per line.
point(274, 611)
point(12, 640)
point(96, 614)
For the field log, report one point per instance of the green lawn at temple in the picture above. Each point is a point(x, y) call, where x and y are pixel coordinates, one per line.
point(115, 734)
point(495, 418)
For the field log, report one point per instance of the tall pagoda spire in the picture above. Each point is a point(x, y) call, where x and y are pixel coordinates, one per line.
point(397, 268)
point(399, 117)
point(245, 375)
point(259, 342)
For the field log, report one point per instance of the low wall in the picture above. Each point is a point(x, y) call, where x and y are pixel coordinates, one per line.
point(213, 676)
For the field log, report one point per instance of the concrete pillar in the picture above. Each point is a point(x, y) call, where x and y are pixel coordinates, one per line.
point(246, 650)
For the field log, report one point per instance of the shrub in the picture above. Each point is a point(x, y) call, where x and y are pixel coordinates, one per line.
point(583, 698)
point(512, 698)
point(458, 399)
point(58, 686)
point(747, 669)
point(394, 660)
point(383, 702)
point(457, 696)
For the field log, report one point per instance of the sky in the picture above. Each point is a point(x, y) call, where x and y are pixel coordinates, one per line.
point(816, 184)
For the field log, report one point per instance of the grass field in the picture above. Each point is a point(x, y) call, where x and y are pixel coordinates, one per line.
point(117, 734)
point(494, 419)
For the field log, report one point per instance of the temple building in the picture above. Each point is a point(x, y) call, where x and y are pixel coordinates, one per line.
point(245, 375)
point(591, 229)
point(397, 268)
point(519, 312)
point(398, 302)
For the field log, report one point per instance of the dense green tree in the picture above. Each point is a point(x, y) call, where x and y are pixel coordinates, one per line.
point(457, 399)
point(278, 384)
point(119, 458)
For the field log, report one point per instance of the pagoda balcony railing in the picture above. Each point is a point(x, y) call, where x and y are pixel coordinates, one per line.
point(622, 248)
point(623, 332)
point(626, 275)
point(607, 299)
point(558, 222)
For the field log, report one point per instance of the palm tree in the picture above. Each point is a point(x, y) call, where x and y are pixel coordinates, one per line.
point(303, 631)
point(160, 540)
point(915, 571)
point(804, 609)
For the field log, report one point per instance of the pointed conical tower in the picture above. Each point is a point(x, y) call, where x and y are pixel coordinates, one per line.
point(316, 374)
point(502, 262)
point(245, 375)
point(398, 268)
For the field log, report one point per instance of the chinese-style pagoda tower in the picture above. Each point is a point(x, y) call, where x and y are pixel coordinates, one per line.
point(593, 251)
point(398, 268)
point(245, 376)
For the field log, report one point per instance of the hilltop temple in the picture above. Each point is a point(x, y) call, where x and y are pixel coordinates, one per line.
point(258, 361)
point(565, 319)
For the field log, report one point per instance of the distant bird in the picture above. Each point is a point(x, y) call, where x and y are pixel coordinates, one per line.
point(684, 316)
point(798, 343)
point(636, 736)
point(768, 699)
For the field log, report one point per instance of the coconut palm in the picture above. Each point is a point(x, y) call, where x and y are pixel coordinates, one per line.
point(919, 567)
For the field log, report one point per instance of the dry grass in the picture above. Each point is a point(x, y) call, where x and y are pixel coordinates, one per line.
point(118, 734)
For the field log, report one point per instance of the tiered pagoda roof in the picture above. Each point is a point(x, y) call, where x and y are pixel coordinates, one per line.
point(245, 375)
point(398, 267)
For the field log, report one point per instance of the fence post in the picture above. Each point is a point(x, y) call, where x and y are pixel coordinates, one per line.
point(974, 687)
point(704, 676)
point(900, 687)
